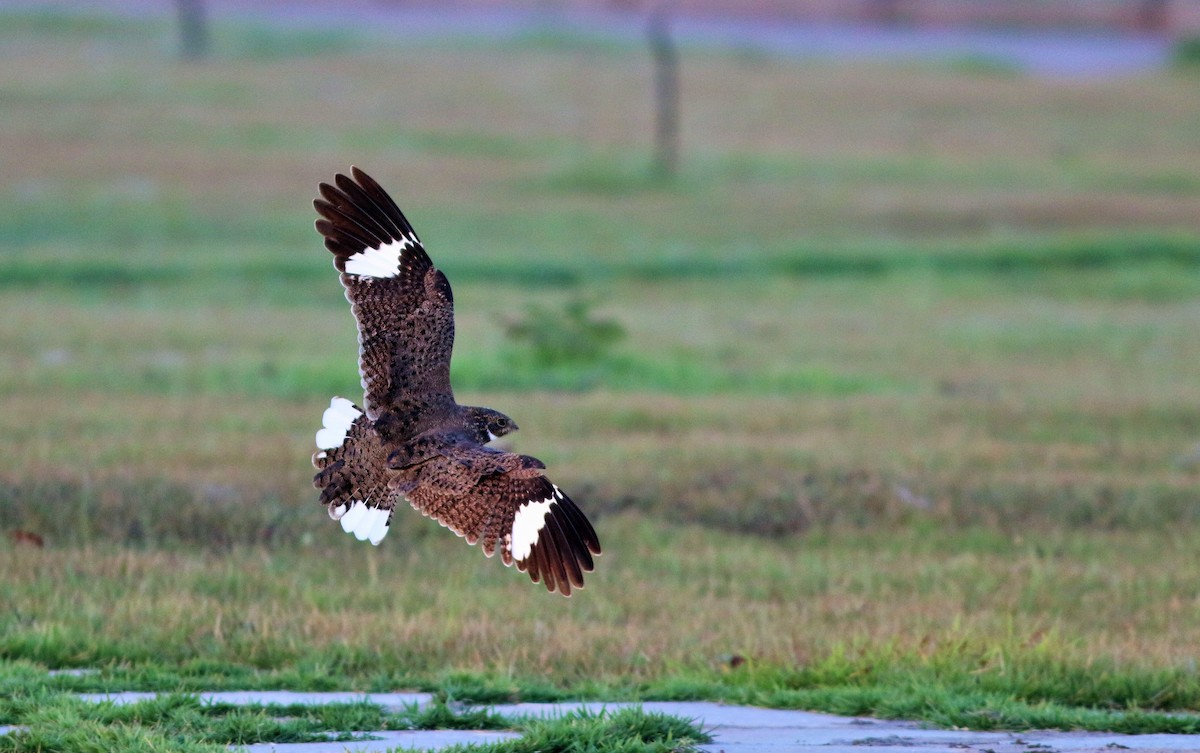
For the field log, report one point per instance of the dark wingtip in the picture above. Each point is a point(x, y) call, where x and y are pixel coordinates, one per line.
point(564, 547)
point(358, 214)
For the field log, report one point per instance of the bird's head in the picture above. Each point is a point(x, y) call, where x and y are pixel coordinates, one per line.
point(485, 424)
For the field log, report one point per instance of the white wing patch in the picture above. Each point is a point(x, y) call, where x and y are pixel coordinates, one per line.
point(366, 523)
point(528, 524)
point(378, 262)
point(337, 420)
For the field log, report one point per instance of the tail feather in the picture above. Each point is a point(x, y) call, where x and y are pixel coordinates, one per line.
point(350, 462)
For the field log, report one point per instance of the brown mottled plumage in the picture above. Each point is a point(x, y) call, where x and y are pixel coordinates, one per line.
point(412, 440)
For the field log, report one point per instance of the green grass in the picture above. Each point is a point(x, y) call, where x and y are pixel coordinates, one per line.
point(52, 24)
point(64, 721)
point(622, 731)
point(51, 721)
point(904, 415)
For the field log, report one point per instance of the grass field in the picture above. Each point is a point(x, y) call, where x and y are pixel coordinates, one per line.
point(905, 418)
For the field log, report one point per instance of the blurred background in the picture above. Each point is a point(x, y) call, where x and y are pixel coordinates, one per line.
point(866, 333)
point(761, 266)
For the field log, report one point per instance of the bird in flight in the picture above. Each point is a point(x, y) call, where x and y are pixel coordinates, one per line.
point(410, 440)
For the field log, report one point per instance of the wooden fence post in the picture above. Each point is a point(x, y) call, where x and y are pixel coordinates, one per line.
point(666, 94)
point(193, 29)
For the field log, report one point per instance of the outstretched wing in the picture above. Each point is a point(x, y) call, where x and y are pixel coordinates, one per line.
point(502, 500)
point(402, 303)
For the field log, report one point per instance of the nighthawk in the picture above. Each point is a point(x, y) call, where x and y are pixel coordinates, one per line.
point(410, 440)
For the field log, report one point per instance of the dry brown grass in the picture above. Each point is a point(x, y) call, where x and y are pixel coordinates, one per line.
point(666, 598)
point(1008, 410)
point(864, 150)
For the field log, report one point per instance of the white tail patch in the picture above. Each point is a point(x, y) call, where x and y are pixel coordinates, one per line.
point(351, 517)
point(378, 262)
point(366, 522)
point(337, 420)
point(528, 524)
point(380, 527)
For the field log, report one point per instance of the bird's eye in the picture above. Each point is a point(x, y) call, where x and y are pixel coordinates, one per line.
point(502, 421)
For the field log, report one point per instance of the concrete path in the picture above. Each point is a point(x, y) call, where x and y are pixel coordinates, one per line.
point(389, 740)
point(391, 701)
point(735, 729)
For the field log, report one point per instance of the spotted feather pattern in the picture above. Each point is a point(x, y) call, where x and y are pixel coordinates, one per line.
point(560, 544)
point(411, 440)
point(406, 319)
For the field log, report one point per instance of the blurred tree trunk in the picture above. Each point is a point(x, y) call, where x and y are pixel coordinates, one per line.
point(666, 94)
point(193, 29)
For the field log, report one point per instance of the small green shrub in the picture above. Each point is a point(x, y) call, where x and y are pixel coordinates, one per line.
point(566, 336)
point(1186, 53)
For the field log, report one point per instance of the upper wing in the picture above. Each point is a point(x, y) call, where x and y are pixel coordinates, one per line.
point(402, 303)
point(500, 498)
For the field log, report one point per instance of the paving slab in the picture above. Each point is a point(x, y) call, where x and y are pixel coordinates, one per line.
point(710, 714)
point(391, 701)
point(388, 740)
point(747, 729)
